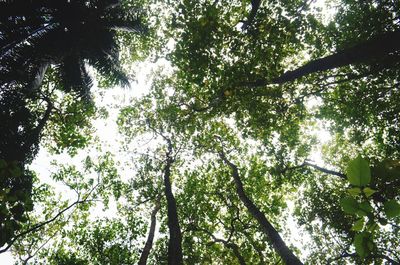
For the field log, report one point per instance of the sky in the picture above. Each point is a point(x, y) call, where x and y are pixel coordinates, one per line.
point(115, 98)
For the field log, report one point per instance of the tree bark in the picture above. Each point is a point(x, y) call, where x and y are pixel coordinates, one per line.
point(255, 5)
point(175, 256)
point(38, 78)
point(277, 242)
point(149, 243)
point(375, 48)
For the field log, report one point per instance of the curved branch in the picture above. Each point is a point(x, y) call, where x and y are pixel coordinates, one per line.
point(376, 48)
point(349, 255)
point(326, 171)
point(42, 224)
point(277, 242)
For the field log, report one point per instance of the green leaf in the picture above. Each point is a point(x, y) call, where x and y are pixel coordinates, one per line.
point(363, 243)
point(372, 226)
point(392, 208)
point(349, 205)
point(354, 191)
point(359, 244)
point(361, 213)
point(358, 225)
point(368, 191)
point(358, 171)
point(365, 206)
point(370, 245)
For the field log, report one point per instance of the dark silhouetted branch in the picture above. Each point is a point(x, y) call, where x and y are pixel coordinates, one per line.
point(277, 242)
point(149, 242)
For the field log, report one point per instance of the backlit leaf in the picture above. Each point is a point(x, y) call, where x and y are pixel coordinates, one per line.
point(358, 225)
point(354, 191)
point(358, 171)
point(368, 191)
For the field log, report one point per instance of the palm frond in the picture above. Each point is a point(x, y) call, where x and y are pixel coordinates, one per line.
point(26, 40)
point(109, 67)
point(74, 76)
point(105, 4)
point(126, 20)
point(41, 31)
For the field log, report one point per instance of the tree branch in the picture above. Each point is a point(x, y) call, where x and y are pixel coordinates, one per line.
point(227, 243)
point(272, 234)
point(42, 224)
point(324, 170)
point(255, 5)
point(352, 255)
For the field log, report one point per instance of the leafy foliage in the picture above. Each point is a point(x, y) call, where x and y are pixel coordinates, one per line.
point(214, 145)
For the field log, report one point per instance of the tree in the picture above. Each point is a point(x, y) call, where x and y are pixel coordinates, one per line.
point(149, 242)
point(41, 34)
point(286, 254)
point(156, 126)
point(40, 42)
point(214, 168)
point(38, 34)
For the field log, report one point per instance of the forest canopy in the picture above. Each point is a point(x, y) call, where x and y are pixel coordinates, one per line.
point(200, 132)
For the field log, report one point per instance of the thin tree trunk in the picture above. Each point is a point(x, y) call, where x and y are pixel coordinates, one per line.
point(277, 242)
point(149, 243)
point(38, 78)
point(175, 236)
point(374, 49)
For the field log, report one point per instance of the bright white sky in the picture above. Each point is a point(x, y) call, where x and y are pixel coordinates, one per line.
point(115, 98)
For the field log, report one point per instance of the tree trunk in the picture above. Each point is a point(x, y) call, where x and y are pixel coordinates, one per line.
point(277, 242)
point(373, 49)
point(38, 78)
point(255, 5)
point(149, 243)
point(175, 236)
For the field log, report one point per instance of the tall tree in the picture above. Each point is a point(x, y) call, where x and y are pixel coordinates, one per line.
point(237, 209)
point(149, 242)
point(159, 126)
point(280, 246)
point(175, 235)
point(40, 33)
